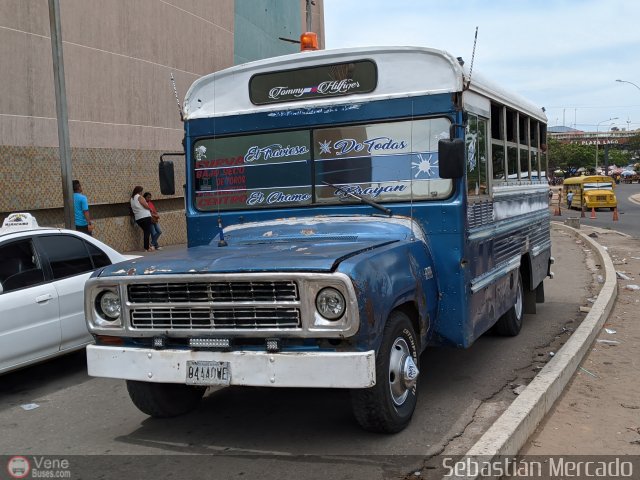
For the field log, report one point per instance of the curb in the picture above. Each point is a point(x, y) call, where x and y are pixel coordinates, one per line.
point(512, 429)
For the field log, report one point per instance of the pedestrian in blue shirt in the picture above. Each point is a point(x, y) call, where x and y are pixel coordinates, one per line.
point(81, 210)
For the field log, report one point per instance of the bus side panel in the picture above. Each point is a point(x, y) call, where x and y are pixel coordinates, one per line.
point(452, 325)
point(496, 249)
point(540, 252)
point(482, 310)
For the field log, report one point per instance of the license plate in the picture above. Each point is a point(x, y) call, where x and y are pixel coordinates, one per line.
point(208, 373)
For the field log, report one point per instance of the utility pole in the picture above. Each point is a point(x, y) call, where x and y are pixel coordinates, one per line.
point(309, 3)
point(61, 112)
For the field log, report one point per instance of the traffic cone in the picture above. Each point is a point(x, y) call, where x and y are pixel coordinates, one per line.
point(615, 214)
point(593, 212)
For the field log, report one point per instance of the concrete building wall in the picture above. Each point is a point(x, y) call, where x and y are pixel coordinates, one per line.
point(118, 57)
point(262, 24)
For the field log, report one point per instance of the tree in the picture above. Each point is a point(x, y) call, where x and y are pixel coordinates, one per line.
point(571, 156)
point(568, 156)
point(633, 147)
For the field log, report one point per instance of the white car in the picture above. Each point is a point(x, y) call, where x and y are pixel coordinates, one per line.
point(42, 277)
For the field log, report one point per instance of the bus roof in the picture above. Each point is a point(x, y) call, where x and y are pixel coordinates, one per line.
point(586, 179)
point(402, 72)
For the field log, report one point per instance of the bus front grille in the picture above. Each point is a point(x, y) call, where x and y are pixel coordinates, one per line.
point(215, 292)
point(190, 318)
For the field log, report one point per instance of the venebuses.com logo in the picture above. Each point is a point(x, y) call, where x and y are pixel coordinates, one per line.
point(18, 467)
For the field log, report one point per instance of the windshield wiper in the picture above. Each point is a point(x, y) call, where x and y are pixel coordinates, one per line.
point(371, 203)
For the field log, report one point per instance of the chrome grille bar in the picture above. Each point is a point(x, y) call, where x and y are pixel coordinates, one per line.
point(256, 291)
point(210, 318)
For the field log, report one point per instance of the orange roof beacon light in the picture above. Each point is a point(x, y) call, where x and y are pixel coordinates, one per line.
point(308, 41)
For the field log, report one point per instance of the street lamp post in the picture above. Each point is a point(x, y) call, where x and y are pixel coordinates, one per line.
point(626, 81)
point(597, 131)
point(630, 83)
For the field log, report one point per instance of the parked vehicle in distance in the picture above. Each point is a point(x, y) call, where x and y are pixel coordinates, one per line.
point(591, 191)
point(42, 277)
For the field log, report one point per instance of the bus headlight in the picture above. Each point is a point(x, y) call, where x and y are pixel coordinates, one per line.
point(108, 306)
point(330, 303)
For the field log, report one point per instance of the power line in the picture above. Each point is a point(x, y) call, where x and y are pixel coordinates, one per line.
point(592, 106)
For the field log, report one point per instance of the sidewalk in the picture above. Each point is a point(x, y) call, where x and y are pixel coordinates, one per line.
point(599, 410)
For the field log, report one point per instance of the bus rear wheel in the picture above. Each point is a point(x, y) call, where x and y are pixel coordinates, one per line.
point(510, 324)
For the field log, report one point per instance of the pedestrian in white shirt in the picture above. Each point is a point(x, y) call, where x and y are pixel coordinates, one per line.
point(142, 215)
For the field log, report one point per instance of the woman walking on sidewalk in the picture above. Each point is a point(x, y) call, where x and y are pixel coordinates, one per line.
point(142, 215)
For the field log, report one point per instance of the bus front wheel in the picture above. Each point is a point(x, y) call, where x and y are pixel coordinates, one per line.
point(388, 406)
point(163, 400)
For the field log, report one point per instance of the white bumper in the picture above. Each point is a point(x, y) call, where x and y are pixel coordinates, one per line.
point(256, 369)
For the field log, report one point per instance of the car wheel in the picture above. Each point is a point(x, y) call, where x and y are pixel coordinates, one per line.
point(389, 405)
point(163, 400)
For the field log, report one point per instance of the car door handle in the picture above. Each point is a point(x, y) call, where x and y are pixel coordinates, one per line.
point(44, 298)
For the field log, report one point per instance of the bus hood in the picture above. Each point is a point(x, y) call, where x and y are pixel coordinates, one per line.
point(309, 245)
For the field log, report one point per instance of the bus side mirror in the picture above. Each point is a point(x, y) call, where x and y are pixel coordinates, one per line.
point(451, 158)
point(166, 177)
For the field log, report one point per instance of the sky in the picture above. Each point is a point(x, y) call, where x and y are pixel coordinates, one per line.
point(563, 55)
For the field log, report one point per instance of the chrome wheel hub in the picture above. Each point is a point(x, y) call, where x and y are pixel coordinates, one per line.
point(410, 373)
point(403, 372)
point(518, 305)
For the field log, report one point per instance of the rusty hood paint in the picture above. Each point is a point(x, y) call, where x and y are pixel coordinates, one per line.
point(273, 246)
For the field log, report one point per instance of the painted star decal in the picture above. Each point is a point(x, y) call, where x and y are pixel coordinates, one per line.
point(425, 166)
point(325, 147)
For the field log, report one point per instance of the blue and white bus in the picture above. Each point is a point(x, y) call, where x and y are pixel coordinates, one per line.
point(345, 209)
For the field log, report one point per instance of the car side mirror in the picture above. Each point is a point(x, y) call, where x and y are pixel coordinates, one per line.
point(451, 158)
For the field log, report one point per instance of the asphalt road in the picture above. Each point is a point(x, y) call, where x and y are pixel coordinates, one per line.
point(270, 433)
point(628, 212)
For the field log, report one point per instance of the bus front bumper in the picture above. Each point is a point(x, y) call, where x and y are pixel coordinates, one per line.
point(247, 368)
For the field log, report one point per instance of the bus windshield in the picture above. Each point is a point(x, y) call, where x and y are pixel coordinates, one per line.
point(598, 186)
point(386, 162)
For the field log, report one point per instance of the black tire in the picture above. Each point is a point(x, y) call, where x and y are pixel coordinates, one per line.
point(510, 324)
point(389, 405)
point(164, 400)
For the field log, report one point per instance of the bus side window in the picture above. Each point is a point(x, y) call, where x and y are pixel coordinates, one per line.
point(476, 144)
